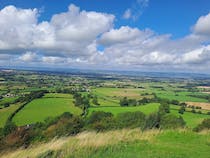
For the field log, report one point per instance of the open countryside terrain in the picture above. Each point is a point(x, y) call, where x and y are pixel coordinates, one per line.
point(42, 109)
point(108, 93)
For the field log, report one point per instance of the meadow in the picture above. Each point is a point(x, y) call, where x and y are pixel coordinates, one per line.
point(50, 105)
point(147, 109)
point(6, 112)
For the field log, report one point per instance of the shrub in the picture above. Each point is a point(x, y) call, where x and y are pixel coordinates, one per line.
point(183, 104)
point(9, 128)
point(175, 102)
point(182, 110)
point(193, 111)
point(100, 121)
point(199, 112)
point(124, 102)
point(205, 124)
point(170, 121)
point(98, 116)
point(164, 108)
point(152, 121)
point(131, 119)
point(107, 123)
point(66, 124)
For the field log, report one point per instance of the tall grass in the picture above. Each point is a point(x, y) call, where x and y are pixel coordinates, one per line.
point(123, 143)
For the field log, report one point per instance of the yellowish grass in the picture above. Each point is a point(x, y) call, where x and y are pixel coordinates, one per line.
point(206, 92)
point(33, 151)
point(205, 106)
point(204, 87)
point(84, 139)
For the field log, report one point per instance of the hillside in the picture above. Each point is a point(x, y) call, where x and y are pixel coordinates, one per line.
point(121, 143)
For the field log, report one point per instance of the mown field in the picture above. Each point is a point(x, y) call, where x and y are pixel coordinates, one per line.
point(122, 144)
point(50, 105)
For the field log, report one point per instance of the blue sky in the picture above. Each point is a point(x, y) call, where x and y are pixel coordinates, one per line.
point(129, 34)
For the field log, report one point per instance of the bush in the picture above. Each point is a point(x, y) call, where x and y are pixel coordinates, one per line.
point(98, 116)
point(107, 123)
point(182, 110)
point(164, 108)
point(205, 124)
point(183, 104)
point(66, 124)
point(131, 119)
point(175, 102)
point(124, 102)
point(170, 121)
point(193, 111)
point(100, 121)
point(199, 112)
point(152, 121)
point(9, 128)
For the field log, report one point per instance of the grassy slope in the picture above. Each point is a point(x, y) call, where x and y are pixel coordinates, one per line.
point(39, 109)
point(124, 144)
point(6, 112)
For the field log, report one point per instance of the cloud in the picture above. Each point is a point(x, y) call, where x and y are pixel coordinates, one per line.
point(127, 14)
point(136, 10)
point(17, 26)
point(52, 60)
point(69, 33)
point(202, 26)
point(28, 57)
point(123, 35)
point(72, 38)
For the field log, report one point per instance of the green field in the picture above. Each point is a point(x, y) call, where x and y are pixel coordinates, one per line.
point(6, 112)
point(180, 96)
point(39, 109)
point(58, 95)
point(191, 119)
point(7, 100)
point(149, 108)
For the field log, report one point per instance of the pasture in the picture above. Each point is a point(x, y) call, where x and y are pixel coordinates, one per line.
point(40, 109)
point(147, 109)
point(6, 112)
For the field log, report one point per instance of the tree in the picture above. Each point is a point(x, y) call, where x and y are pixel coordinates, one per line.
point(101, 121)
point(95, 100)
point(152, 121)
point(175, 102)
point(170, 121)
point(6, 105)
point(164, 108)
point(131, 119)
point(182, 110)
point(9, 128)
point(124, 102)
point(205, 124)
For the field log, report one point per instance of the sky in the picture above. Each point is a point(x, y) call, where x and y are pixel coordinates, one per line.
point(144, 35)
